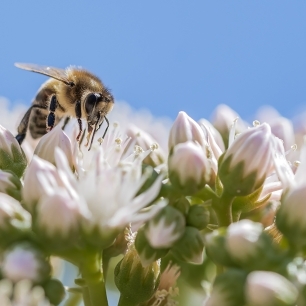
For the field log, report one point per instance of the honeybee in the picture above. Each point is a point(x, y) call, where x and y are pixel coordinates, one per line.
point(71, 92)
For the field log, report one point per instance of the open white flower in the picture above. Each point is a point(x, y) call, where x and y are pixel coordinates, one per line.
point(111, 193)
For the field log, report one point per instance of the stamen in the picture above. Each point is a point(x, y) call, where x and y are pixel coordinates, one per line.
point(118, 141)
point(138, 150)
point(115, 124)
point(256, 123)
point(154, 146)
point(294, 147)
point(296, 163)
point(100, 140)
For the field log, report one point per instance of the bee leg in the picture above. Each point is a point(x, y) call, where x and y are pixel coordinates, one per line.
point(106, 127)
point(51, 115)
point(23, 126)
point(67, 119)
point(78, 114)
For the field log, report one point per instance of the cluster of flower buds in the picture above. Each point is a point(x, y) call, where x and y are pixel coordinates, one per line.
point(224, 196)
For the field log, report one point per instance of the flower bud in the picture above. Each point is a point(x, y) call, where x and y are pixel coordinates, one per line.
point(12, 215)
point(166, 228)
point(147, 253)
point(269, 289)
point(182, 205)
point(228, 289)
point(49, 142)
point(59, 215)
point(185, 129)
point(34, 187)
point(189, 167)
point(136, 283)
point(190, 247)
point(214, 137)
point(223, 118)
point(55, 291)
point(283, 128)
point(215, 248)
point(10, 184)
point(247, 162)
point(290, 218)
point(242, 239)
point(198, 217)
point(12, 157)
point(24, 261)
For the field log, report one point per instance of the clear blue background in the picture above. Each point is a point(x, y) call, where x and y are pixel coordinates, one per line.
point(165, 56)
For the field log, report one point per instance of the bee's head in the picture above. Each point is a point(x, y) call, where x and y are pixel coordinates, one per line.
point(97, 105)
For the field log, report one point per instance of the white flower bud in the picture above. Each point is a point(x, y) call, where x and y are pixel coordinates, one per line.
point(184, 129)
point(6, 181)
point(247, 161)
point(282, 128)
point(11, 155)
point(242, 239)
point(188, 165)
point(224, 117)
point(23, 261)
point(34, 187)
point(11, 212)
point(49, 142)
point(7, 140)
point(213, 133)
point(166, 228)
point(59, 214)
point(291, 216)
point(269, 289)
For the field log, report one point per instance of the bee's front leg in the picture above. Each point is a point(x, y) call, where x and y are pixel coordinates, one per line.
point(51, 115)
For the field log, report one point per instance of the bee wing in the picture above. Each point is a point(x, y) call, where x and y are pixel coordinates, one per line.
point(56, 73)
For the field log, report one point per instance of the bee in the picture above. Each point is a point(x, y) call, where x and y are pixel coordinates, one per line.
point(71, 92)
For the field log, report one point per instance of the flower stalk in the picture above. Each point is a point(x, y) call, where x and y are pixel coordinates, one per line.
point(92, 273)
point(223, 209)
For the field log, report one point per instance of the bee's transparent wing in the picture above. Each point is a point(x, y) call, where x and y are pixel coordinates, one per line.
point(56, 73)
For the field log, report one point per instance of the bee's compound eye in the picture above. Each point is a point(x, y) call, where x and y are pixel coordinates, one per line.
point(90, 102)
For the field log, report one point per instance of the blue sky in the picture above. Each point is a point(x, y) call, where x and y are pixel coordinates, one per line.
point(164, 56)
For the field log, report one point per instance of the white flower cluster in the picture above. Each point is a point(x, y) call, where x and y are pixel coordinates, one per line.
point(204, 191)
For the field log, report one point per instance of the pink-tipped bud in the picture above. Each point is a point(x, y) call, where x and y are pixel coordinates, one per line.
point(242, 239)
point(60, 215)
point(11, 155)
point(49, 142)
point(269, 289)
point(185, 129)
point(247, 161)
point(34, 187)
point(189, 167)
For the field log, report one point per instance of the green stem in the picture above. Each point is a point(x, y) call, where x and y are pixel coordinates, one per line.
point(125, 301)
point(92, 273)
point(74, 299)
point(223, 208)
point(86, 296)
